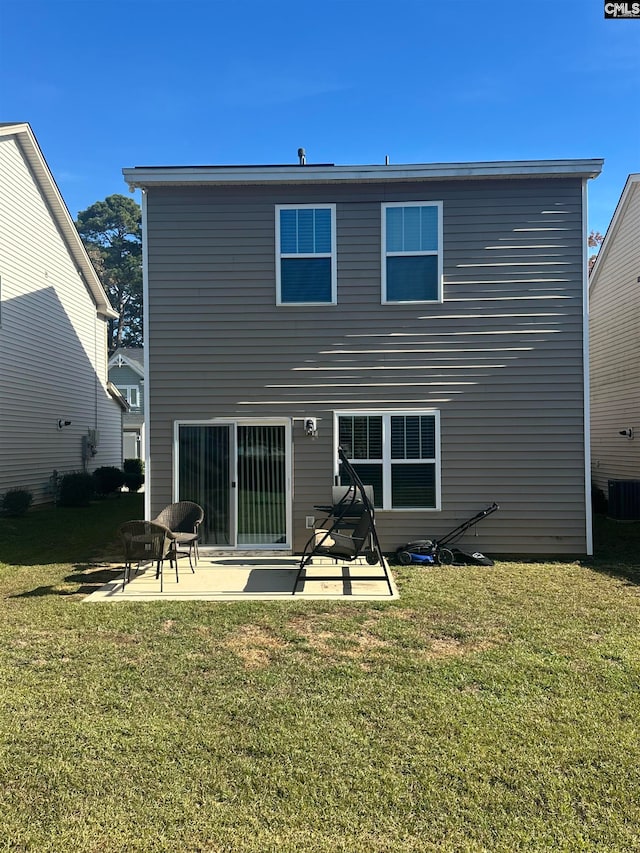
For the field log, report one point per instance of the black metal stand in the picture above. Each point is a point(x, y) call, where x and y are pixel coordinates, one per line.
point(347, 514)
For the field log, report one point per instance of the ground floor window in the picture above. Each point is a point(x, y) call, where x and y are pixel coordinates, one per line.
point(398, 453)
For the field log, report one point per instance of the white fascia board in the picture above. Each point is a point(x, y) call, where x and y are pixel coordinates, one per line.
point(134, 365)
point(117, 396)
point(60, 213)
point(623, 203)
point(147, 176)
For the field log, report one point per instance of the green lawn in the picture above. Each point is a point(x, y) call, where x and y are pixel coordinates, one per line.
point(488, 709)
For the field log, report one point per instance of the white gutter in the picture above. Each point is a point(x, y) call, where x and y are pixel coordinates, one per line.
point(144, 176)
point(586, 373)
point(145, 336)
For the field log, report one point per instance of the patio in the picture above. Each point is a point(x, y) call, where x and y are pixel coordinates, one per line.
point(242, 578)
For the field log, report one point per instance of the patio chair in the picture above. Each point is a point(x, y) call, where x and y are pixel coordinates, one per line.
point(147, 541)
point(183, 519)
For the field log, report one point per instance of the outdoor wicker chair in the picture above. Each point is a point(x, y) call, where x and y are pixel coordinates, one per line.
point(147, 541)
point(183, 519)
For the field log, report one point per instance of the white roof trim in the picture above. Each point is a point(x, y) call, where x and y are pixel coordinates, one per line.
point(145, 176)
point(117, 396)
point(31, 150)
point(134, 365)
point(614, 225)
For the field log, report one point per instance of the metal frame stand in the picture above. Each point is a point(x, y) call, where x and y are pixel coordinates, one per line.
point(354, 504)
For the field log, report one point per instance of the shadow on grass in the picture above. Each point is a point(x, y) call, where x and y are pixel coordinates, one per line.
point(617, 549)
point(90, 578)
point(56, 535)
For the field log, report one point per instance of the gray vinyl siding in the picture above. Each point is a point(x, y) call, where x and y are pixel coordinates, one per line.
point(126, 376)
point(615, 353)
point(53, 359)
point(501, 357)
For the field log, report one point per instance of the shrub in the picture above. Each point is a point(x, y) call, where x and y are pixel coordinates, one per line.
point(133, 466)
point(108, 480)
point(133, 482)
point(16, 502)
point(76, 489)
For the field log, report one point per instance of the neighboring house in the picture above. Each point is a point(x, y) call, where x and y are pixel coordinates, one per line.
point(126, 371)
point(57, 409)
point(429, 318)
point(614, 304)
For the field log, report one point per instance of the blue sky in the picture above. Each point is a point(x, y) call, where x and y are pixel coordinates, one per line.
point(120, 83)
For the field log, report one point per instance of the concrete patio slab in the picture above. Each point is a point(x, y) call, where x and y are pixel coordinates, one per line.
point(251, 578)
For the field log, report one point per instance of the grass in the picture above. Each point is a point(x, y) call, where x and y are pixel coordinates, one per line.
point(486, 710)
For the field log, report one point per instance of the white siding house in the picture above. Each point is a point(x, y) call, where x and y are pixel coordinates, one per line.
point(57, 410)
point(614, 303)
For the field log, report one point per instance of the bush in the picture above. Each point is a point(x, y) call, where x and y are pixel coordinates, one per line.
point(133, 482)
point(133, 466)
point(108, 480)
point(16, 502)
point(76, 489)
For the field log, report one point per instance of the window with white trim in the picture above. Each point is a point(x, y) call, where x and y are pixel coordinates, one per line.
point(412, 251)
point(131, 393)
point(398, 453)
point(306, 254)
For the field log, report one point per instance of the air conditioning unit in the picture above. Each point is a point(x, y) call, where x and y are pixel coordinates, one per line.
point(624, 500)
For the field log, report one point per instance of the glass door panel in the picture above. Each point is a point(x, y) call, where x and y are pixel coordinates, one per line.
point(262, 478)
point(237, 472)
point(204, 476)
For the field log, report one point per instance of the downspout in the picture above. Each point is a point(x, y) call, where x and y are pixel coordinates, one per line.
point(586, 372)
point(145, 333)
point(97, 375)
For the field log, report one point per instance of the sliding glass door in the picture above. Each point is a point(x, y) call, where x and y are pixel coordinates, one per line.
point(238, 472)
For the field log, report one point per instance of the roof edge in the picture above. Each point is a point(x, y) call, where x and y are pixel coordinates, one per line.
point(145, 176)
point(115, 394)
point(60, 213)
point(130, 362)
point(612, 229)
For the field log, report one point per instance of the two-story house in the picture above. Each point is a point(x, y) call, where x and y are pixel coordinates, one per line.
point(126, 371)
point(430, 319)
point(614, 296)
point(57, 408)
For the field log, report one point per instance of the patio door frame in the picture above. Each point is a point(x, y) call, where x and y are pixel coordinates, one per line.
point(233, 424)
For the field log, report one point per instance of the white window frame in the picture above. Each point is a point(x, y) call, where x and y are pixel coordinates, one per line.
point(385, 254)
point(284, 255)
point(387, 461)
point(127, 389)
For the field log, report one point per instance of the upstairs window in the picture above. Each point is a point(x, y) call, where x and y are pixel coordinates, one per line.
point(131, 394)
point(306, 255)
point(398, 453)
point(412, 252)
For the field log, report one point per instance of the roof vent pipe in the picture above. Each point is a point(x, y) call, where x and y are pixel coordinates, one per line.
point(302, 156)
